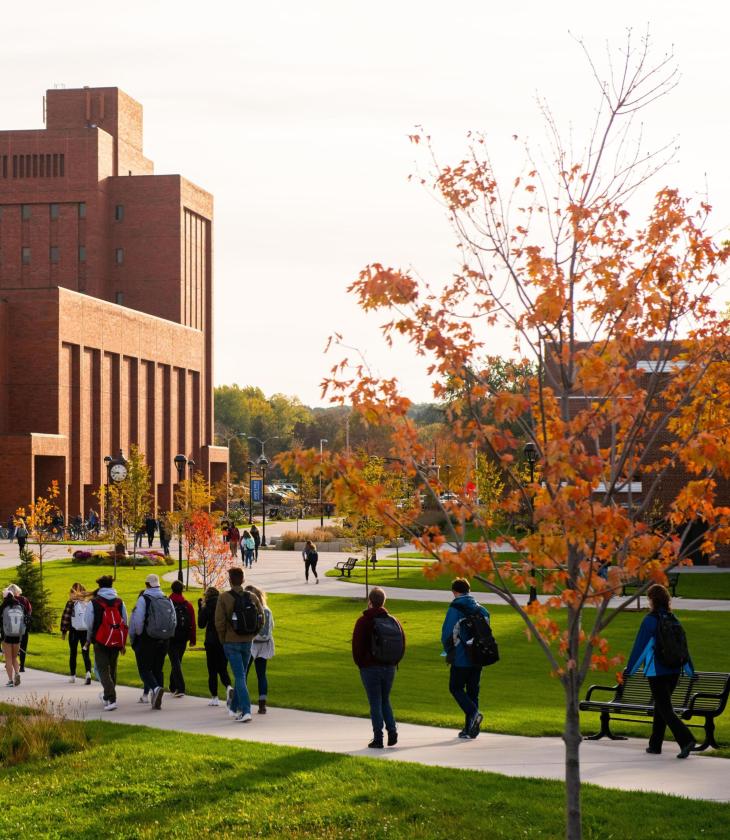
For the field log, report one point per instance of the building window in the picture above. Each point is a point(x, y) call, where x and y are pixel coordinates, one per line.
point(55, 210)
point(120, 298)
point(119, 256)
point(54, 253)
point(119, 213)
point(25, 255)
point(25, 212)
point(82, 210)
point(82, 253)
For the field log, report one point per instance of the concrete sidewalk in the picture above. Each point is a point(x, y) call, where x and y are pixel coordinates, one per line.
point(623, 765)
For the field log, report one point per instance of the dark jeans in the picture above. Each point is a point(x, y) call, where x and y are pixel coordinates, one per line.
point(176, 652)
point(165, 546)
point(310, 564)
point(238, 654)
point(23, 650)
point(215, 659)
point(105, 659)
point(151, 660)
point(661, 690)
point(76, 638)
point(260, 664)
point(146, 687)
point(378, 681)
point(464, 687)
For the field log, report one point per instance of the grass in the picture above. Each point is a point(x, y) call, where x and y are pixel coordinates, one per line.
point(136, 782)
point(313, 668)
point(44, 731)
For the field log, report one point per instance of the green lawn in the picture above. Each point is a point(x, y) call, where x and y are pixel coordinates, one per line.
point(313, 669)
point(144, 783)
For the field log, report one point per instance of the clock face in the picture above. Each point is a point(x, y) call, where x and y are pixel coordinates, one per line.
point(118, 473)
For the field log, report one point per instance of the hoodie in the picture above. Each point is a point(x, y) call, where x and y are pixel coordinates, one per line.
point(453, 615)
point(93, 610)
point(362, 638)
point(181, 599)
point(136, 626)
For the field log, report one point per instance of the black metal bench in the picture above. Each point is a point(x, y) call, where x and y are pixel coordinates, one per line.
point(633, 585)
point(703, 695)
point(347, 566)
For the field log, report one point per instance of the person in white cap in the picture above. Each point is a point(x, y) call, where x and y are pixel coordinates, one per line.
point(151, 628)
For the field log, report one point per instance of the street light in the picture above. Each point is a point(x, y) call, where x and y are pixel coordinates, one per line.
point(322, 441)
point(189, 505)
point(180, 462)
point(107, 507)
point(250, 494)
point(228, 446)
point(530, 453)
point(263, 463)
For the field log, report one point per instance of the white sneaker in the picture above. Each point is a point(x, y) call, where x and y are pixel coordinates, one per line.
point(110, 707)
point(9, 684)
point(229, 695)
point(102, 698)
point(214, 701)
point(232, 714)
point(88, 678)
point(243, 718)
point(72, 678)
point(144, 698)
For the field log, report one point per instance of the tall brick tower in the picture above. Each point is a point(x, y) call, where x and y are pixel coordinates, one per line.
point(105, 305)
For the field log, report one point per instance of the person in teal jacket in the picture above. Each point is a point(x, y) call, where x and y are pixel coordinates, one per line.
point(662, 679)
point(465, 676)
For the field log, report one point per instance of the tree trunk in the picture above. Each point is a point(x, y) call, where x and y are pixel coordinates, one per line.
point(572, 738)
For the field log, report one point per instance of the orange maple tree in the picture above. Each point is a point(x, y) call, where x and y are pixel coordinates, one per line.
point(208, 556)
point(626, 383)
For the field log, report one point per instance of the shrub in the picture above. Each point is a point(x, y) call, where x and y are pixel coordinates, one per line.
point(319, 535)
point(28, 578)
point(104, 558)
point(81, 555)
point(43, 731)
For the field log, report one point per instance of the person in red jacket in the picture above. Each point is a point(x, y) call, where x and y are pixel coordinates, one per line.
point(184, 632)
point(378, 645)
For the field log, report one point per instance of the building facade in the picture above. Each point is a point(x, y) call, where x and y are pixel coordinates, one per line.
point(105, 306)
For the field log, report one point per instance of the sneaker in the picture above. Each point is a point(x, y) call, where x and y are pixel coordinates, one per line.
point(110, 707)
point(243, 718)
point(102, 698)
point(376, 744)
point(317, 580)
point(652, 751)
point(179, 694)
point(9, 684)
point(16, 681)
point(144, 698)
point(475, 724)
point(157, 698)
point(229, 695)
point(392, 738)
point(232, 714)
point(88, 678)
point(214, 701)
point(686, 749)
point(72, 678)
point(464, 735)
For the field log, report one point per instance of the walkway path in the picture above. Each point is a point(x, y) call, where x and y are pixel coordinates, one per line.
point(623, 765)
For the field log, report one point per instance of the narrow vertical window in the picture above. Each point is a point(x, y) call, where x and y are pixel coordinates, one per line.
point(35, 166)
point(25, 212)
point(55, 166)
point(55, 210)
point(25, 255)
point(119, 213)
point(119, 256)
point(82, 210)
point(62, 165)
point(42, 167)
point(120, 298)
point(82, 253)
point(22, 166)
point(54, 254)
point(48, 166)
point(15, 166)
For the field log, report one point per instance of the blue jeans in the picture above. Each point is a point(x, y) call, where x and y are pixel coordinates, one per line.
point(260, 664)
point(248, 557)
point(378, 680)
point(238, 655)
point(464, 687)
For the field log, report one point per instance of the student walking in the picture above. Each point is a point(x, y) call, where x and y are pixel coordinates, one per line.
point(215, 657)
point(310, 557)
point(248, 547)
point(378, 645)
point(184, 633)
point(153, 625)
point(465, 676)
point(234, 537)
point(239, 618)
point(150, 526)
point(662, 668)
point(14, 618)
point(165, 532)
point(21, 535)
point(73, 624)
point(135, 643)
point(256, 534)
point(106, 618)
point(262, 649)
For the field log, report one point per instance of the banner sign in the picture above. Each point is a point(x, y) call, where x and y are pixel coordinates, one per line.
point(256, 489)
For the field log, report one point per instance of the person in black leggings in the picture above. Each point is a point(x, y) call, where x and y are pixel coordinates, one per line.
point(73, 624)
point(310, 557)
point(215, 658)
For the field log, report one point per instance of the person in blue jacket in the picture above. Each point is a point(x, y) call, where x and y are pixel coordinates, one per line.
point(662, 680)
point(464, 677)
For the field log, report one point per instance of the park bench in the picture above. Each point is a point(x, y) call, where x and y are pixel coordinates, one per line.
point(633, 585)
point(703, 695)
point(273, 512)
point(347, 566)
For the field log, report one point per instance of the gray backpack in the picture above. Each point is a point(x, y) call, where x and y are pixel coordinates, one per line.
point(159, 618)
point(13, 620)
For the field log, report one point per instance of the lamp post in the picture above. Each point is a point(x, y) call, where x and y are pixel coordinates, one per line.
point(189, 505)
point(180, 462)
point(263, 462)
point(322, 441)
point(530, 453)
point(250, 494)
point(228, 446)
point(107, 517)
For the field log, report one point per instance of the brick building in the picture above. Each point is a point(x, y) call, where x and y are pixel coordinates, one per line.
point(105, 306)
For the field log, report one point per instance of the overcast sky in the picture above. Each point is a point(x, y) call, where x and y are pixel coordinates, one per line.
point(295, 115)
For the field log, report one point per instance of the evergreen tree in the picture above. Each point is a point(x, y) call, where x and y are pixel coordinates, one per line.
point(28, 578)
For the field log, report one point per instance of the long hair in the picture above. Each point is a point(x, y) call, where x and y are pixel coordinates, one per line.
point(659, 597)
point(259, 593)
point(77, 592)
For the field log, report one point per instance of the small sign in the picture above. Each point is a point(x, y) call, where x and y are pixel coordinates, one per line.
point(256, 489)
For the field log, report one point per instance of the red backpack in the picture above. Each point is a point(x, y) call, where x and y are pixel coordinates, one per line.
point(113, 629)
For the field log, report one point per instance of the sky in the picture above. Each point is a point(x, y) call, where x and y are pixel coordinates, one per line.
point(296, 116)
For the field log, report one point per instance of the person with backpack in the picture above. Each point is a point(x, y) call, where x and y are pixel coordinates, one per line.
point(262, 649)
point(215, 657)
point(256, 534)
point(73, 623)
point(661, 649)
point(184, 632)
point(153, 625)
point(239, 617)
point(21, 535)
point(150, 526)
point(247, 549)
point(457, 638)
point(310, 557)
point(106, 619)
point(378, 645)
point(14, 619)
point(234, 538)
point(163, 527)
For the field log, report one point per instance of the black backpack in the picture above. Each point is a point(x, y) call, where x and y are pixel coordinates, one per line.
point(182, 628)
point(387, 643)
point(477, 636)
point(247, 618)
point(671, 642)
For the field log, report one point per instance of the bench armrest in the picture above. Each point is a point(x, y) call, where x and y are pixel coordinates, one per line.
point(593, 688)
point(703, 695)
